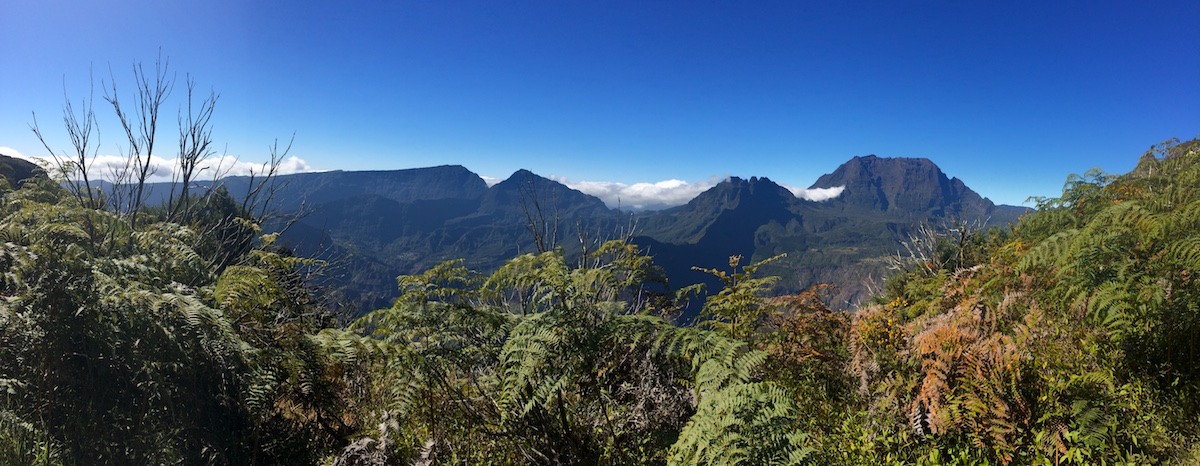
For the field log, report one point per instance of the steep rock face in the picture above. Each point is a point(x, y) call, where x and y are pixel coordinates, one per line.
point(402, 186)
point(369, 219)
point(904, 187)
point(499, 228)
point(443, 182)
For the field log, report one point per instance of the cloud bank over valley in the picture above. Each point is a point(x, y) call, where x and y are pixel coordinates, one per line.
point(642, 196)
point(670, 193)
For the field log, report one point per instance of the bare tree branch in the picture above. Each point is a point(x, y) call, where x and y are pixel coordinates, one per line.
point(142, 125)
point(74, 166)
point(195, 141)
point(81, 126)
point(542, 225)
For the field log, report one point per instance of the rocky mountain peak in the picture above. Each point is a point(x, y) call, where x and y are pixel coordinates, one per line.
point(901, 186)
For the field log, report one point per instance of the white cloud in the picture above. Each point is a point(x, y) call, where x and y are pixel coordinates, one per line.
point(816, 194)
point(642, 196)
point(4, 150)
point(223, 165)
point(670, 193)
point(104, 166)
point(491, 181)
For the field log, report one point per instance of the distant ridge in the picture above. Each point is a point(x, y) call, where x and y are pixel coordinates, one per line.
point(427, 217)
point(407, 185)
point(375, 225)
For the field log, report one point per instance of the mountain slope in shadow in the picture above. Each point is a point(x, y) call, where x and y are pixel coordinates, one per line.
point(372, 226)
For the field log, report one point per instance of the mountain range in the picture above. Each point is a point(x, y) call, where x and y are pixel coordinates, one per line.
point(372, 226)
point(375, 225)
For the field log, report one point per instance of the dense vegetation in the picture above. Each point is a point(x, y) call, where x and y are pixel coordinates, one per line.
point(1069, 338)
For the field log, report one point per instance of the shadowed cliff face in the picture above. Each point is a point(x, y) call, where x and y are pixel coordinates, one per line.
point(902, 187)
point(724, 211)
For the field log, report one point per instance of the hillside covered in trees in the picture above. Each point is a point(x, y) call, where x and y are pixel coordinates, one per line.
point(371, 226)
point(1069, 338)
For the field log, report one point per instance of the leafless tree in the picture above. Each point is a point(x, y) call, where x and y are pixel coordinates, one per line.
point(624, 229)
point(541, 220)
point(128, 190)
point(74, 165)
point(140, 128)
point(259, 204)
point(264, 187)
point(195, 146)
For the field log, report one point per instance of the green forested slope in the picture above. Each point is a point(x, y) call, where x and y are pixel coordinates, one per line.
point(154, 345)
point(1068, 339)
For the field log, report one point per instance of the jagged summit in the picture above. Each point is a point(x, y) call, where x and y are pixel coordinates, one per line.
point(736, 204)
point(902, 186)
point(521, 175)
point(524, 185)
point(735, 191)
point(524, 180)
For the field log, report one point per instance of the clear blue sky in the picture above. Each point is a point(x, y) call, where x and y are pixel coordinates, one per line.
point(1009, 96)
